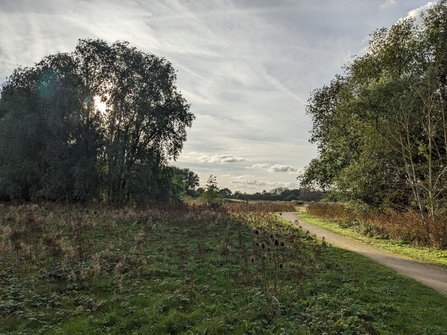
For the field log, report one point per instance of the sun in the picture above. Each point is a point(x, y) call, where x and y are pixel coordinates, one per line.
point(99, 105)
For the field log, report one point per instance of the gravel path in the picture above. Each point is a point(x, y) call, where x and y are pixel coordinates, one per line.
point(431, 276)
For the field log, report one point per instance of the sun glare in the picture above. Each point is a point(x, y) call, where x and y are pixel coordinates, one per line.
point(101, 106)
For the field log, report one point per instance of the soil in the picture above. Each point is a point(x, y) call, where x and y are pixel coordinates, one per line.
point(428, 275)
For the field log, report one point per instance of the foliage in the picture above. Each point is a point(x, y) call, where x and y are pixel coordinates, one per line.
point(164, 269)
point(282, 194)
point(211, 194)
point(56, 143)
point(226, 192)
point(404, 227)
point(381, 127)
point(191, 180)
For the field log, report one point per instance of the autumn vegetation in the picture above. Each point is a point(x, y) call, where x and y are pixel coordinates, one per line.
point(403, 227)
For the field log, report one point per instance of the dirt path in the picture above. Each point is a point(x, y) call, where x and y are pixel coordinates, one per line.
point(431, 276)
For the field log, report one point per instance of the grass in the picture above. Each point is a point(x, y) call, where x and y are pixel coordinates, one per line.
point(175, 269)
point(420, 253)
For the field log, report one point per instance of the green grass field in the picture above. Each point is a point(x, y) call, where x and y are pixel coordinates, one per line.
point(178, 269)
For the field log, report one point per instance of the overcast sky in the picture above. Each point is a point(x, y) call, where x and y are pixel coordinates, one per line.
point(247, 67)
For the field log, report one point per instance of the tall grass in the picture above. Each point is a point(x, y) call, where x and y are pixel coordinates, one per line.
point(408, 227)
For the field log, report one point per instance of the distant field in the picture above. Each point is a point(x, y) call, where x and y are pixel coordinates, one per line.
point(179, 269)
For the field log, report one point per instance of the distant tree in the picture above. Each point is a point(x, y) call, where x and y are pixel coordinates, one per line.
point(189, 179)
point(226, 192)
point(291, 197)
point(211, 194)
point(55, 142)
point(278, 190)
point(307, 194)
point(237, 195)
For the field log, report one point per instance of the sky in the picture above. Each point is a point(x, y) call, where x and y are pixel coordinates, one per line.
point(246, 67)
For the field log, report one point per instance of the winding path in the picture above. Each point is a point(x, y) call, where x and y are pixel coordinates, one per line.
point(428, 275)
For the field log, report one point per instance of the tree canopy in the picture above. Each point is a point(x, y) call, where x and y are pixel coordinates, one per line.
point(101, 122)
point(381, 127)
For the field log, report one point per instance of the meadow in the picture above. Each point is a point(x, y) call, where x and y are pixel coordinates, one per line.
point(192, 269)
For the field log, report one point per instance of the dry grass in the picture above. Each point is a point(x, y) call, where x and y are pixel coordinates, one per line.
point(407, 227)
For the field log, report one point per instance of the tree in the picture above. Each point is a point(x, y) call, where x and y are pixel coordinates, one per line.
point(43, 132)
point(199, 191)
point(226, 192)
point(381, 127)
point(188, 178)
point(56, 143)
point(278, 190)
point(211, 194)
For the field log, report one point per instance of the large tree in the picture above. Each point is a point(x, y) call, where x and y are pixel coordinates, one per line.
point(381, 128)
point(56, 141)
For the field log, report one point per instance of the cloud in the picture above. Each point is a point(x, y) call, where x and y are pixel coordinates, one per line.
point(274, 168)
point(251, 181)
point(221, 159)
point(282, 168)
point(258, 166)
point(277, 84)
point(248, 180)
point(416, 13)
point(388, 3)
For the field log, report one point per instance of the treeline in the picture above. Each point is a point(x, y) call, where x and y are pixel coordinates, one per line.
point(381, 127)
point(97, 124)
point(278, 194)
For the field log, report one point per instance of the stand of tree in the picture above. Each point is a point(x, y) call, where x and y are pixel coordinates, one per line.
point(381, 127)
point(277, 194)
point(57, 143)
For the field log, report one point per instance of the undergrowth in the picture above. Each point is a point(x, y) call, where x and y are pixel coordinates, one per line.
point(406, 227)
point(189, 269)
